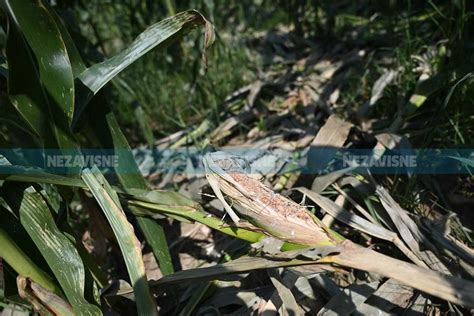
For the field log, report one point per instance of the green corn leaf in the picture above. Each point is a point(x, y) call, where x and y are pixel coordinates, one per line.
point(128, 242)
point(41, 81)
point(127, 170)
point(130, 177)
point(164, 199)
point(11, 225)
point(24, 86)
point(25, 174)
point(57, 249)
point(22, 264)
point(10, 118)
point(158, 35)
point(155, 236)
point(77, 63)
point(150, 208)
point(43, 36)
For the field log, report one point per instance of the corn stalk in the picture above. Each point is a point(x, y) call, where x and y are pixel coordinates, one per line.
point(283, 218)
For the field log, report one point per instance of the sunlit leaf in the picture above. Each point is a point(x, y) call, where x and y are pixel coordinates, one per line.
point(155, 236)
point(77, 63)
point(24, 85)
point(128, 242)
point(25, 174)
point(159, 35)
point(23, 265)
point(42, 82)
point(57, 249)
point(130, 177)
point(43, 36)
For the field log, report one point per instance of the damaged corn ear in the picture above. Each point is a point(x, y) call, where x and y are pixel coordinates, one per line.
point(275, 214)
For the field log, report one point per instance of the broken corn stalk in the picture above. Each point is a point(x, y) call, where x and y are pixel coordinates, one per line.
point(270, 211)
point(291, 222)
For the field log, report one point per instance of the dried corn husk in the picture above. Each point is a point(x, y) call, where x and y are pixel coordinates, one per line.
point(277, 215)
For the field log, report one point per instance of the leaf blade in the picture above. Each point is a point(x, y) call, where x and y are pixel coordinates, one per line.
point(159, 35)
point(130, 177)
point(25, 91)
point(128, 242)
point(58, 251)
point(22, 264)
point(156, 238)
point(44, 38)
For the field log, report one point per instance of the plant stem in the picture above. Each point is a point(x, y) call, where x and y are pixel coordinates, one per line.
point(23, 265)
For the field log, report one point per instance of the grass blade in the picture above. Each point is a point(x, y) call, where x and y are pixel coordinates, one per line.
point(144, 122)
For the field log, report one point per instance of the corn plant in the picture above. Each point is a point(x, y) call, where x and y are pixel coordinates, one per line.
point(47, 109)
point(51, 111)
